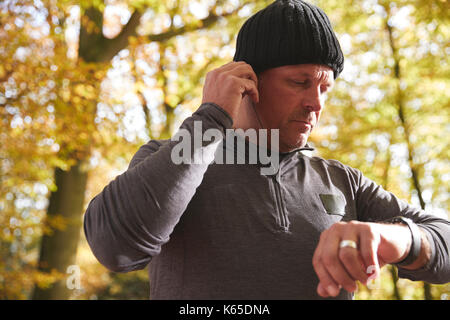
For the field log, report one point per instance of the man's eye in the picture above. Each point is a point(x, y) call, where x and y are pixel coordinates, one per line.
point(300, 83)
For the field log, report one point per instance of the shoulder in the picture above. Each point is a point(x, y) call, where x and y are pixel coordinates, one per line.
point(331, 164)
point(154, 145)
point(334, 169)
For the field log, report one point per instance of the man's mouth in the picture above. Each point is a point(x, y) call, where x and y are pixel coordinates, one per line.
point(305, 122)
point(303, 126)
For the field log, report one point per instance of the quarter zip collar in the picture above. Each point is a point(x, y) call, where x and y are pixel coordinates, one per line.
point(253, 150)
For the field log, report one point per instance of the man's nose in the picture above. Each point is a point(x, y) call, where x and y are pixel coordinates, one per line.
point(314, 99)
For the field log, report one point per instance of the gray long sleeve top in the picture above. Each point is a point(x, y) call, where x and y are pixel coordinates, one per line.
point(225, 231)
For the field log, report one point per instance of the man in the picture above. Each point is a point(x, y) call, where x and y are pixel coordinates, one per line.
point(311, 229)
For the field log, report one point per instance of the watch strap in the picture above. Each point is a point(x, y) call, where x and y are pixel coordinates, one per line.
point(416, 241)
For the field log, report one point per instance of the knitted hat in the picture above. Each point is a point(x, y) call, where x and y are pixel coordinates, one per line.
point(289, 32)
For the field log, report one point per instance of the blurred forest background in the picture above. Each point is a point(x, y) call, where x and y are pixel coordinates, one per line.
point(84, 83)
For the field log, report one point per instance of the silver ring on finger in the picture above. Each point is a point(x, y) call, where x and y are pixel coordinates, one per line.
point(348, 244)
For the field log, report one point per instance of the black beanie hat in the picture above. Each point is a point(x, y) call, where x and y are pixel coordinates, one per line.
point(289, 32)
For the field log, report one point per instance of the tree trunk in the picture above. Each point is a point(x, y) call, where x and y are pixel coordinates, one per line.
point(392, 268)
point(58, 249)
point(405, 126)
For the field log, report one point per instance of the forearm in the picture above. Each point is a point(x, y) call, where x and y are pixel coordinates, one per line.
point(127, 223)
point(424, 256)
point(436, 269)
point(376, 205)
point(432, 263)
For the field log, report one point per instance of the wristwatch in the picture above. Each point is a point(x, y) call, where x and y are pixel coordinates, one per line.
point(416, 242)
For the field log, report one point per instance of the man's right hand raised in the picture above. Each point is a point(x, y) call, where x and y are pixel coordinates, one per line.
point(228, 84)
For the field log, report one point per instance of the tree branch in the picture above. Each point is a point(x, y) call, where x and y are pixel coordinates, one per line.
point(112, 46)
point(204, 23)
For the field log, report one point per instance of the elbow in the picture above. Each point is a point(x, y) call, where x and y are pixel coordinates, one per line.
point(96, 242)
point(108, 247)
point(112, 254)
point(116, 263)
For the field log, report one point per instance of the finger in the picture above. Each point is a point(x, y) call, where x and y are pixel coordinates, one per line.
point(327, 286)
point(324, 292)
point(242, 70)
point(335, 267)
point(368, 252)
point(247, 86)
point(351, 260)
point(231, 63)
point(321, 291)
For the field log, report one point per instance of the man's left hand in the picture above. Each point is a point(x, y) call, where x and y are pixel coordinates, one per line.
point(340, 266)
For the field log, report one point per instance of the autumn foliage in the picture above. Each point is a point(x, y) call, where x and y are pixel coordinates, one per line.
point(84, 83)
